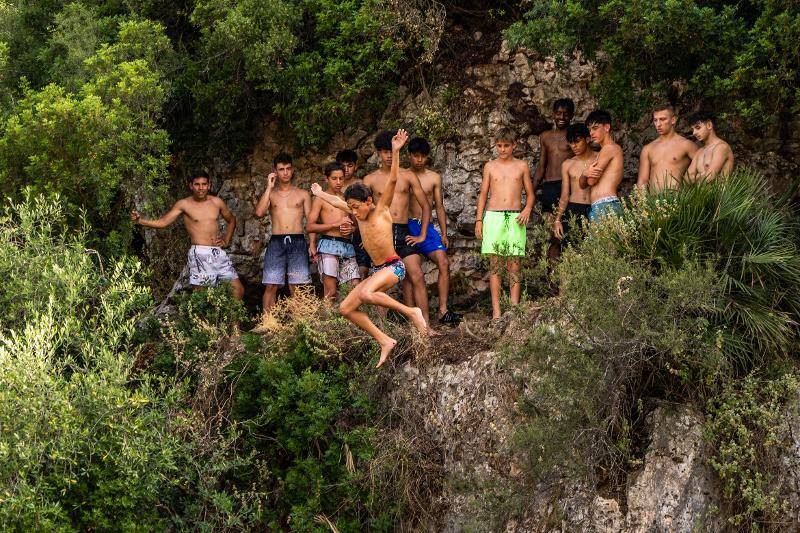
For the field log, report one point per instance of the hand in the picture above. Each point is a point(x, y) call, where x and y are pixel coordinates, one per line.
point(135, 216)
point(445, 241)
point(346, 227)
point(593, 171)
point(219, 241)
point(399, 139)
point(479, 230)
point(315, 189)
point(411, 241)
point(312, 253)
point(523, 217)
point(558, 230)
point(271, 180)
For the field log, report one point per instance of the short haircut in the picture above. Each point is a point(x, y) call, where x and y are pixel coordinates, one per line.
point(598, 116)
point(383, 141)
point(419, 145)
point(506, 134)
point(576, 131)
point(565, 103)
point(702, 116)
point(282, 157)
point(358, 191)
point(347, 156)
point(332, 167)
point(664, 106)
point(198, 174)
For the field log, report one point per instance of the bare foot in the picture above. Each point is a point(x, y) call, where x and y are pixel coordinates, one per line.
point(385, 351)
point(418, 319)
point(433, 333)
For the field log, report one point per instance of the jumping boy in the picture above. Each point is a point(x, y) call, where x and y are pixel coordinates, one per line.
point(664, 161)
point(554, 151)
point(406, 186)
point(349, 161)
point(286, 258)
point(375, 221)
point(208, 262)
point(605, 174)
point(716, 156)
point(502, 227)
point(336, 260)
point(435, 245)
point(575, 201)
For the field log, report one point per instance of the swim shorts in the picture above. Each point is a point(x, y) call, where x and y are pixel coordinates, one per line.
point(575, 213)
point(400, 232)
point(433, 240)
point(610, 205)
point(551, 194)
point(502, 235)
point(395, 263)
point(362, 257)
point(286, 260)
point(208, 265)
point(336, 258)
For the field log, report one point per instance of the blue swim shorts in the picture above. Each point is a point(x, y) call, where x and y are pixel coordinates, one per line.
point(286, 260)
point(433, 240)
point(394, 263)
point(610, 205)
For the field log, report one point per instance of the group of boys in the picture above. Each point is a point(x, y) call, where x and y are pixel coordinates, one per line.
point(372, 232)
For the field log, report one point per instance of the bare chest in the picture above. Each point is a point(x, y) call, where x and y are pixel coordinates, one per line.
point(197, 215)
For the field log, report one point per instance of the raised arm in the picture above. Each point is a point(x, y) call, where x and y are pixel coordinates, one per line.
point(484, 194)
point(530, 199)
point(332, 199)
point(644, 168)
point(388, 192)
point(441, 215)
point(230, 225)
point(170, 217)
point(425, 205)
point(263, 203)
point(538, 174)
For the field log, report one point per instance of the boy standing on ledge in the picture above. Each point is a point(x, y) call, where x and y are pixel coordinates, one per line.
point(501, 228)
point(375, 224)
point(208, 262)
point(605, 174)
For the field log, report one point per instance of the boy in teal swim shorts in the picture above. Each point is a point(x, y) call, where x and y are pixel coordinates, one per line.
point(500, 220)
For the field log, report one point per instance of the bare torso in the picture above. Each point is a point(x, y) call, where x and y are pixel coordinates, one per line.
point(576, 166)
point(609, 181)
point(429, 180)
point(201, 219)
point(329, 215)
point(668, 159)
point(505, 184)
point(558, 151)
point(402, 193)
point(377, 236)
point(286, 210)
point(705, 155)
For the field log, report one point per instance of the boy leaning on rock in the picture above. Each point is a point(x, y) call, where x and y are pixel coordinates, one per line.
point(501, 227)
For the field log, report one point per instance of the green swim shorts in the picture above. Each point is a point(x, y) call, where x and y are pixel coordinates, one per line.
point(502, 235)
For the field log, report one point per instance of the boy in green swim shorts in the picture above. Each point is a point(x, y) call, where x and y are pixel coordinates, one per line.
point(500, 221)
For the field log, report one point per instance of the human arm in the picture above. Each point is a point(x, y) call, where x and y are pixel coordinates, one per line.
point(230, 225)
point(312, 236)
point(170, 217)
point(425, 205)
point(538, 174)
point(332, 199)
point(558, 227)
point(441, 215)
point(691, 172)
point(262, 208)
point(482, 196)
point(398, 141)
point(718, 159)
point(530, 200)
point(643, 177)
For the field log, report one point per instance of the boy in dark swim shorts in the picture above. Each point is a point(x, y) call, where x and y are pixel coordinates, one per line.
point(375, 225)
point(574, 203)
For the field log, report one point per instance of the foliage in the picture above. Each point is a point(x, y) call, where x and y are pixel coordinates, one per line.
point(435, 123)
point(742, 58)
point(747, 428)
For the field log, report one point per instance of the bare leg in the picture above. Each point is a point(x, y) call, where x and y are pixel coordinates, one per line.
point(443, 282)
point(237, 289)
point(408, 293)
point(330, 288)
point(495, 286)
point(514, 282)
point(270, 297)
point(414, 274)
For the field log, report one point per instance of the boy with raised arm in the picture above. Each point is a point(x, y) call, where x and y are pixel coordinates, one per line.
point(336, 259)
point(407, 186)
point(605, 174)
point(208, 262)
point(286, 258)
point(375, 221)
point(349, 161)
point(501, 228)
point(434, 247)
point(716, 156)
point(664, 161)
point(574, 201)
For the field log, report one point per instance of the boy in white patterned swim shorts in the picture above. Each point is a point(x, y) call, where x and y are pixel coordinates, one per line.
point(208, 262)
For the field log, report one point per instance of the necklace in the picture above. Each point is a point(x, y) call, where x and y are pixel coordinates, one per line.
point(283, 195)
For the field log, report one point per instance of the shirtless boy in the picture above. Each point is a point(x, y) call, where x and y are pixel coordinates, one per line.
point(716, 156)
point(575, 201)
point(664, 161)
point(208, 262)
point(605, 174)
point(435, 245)
point(501, 228)
point(554, 151)
point(286, 259)
point(336, 259)
point(406, 186)
point(375, 221)
point(349, 161)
